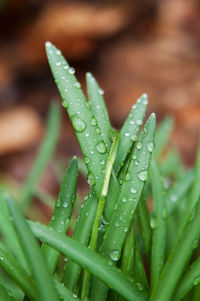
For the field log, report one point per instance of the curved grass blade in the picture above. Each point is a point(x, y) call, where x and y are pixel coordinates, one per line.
point(98, 108)
point(8, 231)
point(4, 295)
point(158, 224)
point(178, 258)
point(91, 141)
point(124, 210)
point(129, 131)
point(84, 123)
point(144, 224)
point(18, 273)
point(95, 263)
point(81, 234)
point(60, 218)
point(162, 135)
point(139, 274)
point(100, 208)
point(190, 279)
point(127, 262)
point(33, 254)
point(43, 157)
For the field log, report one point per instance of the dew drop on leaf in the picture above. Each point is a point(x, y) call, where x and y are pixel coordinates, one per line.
point(115, 255)
point(142, 175)
point(153, 222)
point(101, 91)
point(78, 124)
point(139, 286)
point(101, 147)
point(71, 70)
point(150, 147)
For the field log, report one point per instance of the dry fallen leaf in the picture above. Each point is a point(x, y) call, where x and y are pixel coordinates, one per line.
point(19, 128)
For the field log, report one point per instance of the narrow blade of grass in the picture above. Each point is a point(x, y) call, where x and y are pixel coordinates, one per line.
point(81, 234)
point(33, 254)
point(88, 259)
point(4, 295)
point(144, 224)
point(8, 231)
point(162, 135)
point(129, 131)
point(18, 273)
point(172, 165)
point(98, 108)
point(158, 224)
point(190, 279)
point(178, 258)
point(43, 157)
point(100, 208)
point(127, 262)
point(126, 205)
point(84, 123)
point(60, 218)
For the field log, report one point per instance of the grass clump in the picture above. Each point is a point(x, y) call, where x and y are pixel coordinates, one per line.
point(119, 250)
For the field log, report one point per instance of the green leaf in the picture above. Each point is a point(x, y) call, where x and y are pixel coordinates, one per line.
point(60, 218)
point(88, 259)
point(43, 157)
point(129, 131)
point(18, 273)
point(98, 108)
point(190, 279)
point(124, 210)
point(158, 224)
point(33, 254)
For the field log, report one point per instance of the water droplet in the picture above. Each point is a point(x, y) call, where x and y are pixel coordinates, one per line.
point(127, 134)
point(101, 91)
point(78, 124)
point(133, 137)
point(196, 280)
point(90, 179)
point(66, 67)
point(139, 145)
point(115, 255)
point(133, 157)
point(87, 135)
point(133, 190)
point(71, 70)
point(101, 147)
point(153, 222)
point(150, 147)
point(125, 229)
point(94, 122)
point(65, 104)
point(1, 258)
point(132, 122)
point(87, 160)
point(53, 218)
point(143, 175)
point(117, 224)
point(102, 162)
point(139, 122)
point(139, 286)
point(173, 198)
point(124, 200)
point(77, 85)
point(98, 130)
point(58, 63)
point(65, 204)
point(58, 203)
point(58, 52)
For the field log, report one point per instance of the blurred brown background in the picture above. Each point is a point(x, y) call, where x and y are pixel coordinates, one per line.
point(131, 47)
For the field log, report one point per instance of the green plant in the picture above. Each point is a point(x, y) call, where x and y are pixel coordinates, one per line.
point(119, 250)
